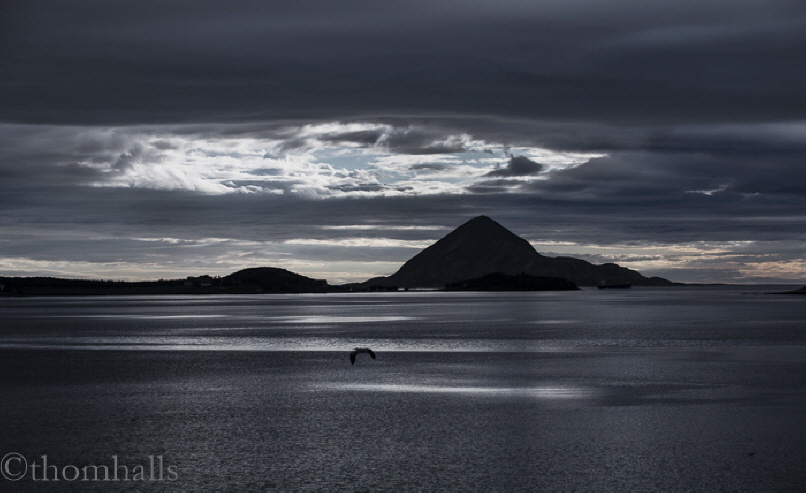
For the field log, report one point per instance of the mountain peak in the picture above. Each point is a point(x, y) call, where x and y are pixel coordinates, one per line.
point(483, 235)
point(481, 219)
point(482, 246)
point(478, 247)
point(483, 224)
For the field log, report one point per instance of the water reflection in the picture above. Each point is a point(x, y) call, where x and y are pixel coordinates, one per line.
point(531, 392)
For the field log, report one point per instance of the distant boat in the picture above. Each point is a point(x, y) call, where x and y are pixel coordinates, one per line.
point(615, 286)
point(360, 350)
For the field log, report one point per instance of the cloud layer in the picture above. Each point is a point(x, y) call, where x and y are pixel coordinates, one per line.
point(337, 138)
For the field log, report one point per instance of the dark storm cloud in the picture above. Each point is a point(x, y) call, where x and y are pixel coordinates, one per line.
point(431, 149)
point(429, 167)
point(518, 166)
point(127, 159)
point(53, 155)
point(583, 60)
point(420, 142)
point(176, 214)
point(261, 217)
point(629, 175)
point(364, 137)
point(495, 186)
point(365, 187)
point(163, 145)
point(266, 185)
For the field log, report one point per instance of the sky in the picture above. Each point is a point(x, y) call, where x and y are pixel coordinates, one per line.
point(164, 139)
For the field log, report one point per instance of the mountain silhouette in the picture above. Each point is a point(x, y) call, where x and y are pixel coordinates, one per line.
point(274, 280)
point(481, 246)
point(253, 280)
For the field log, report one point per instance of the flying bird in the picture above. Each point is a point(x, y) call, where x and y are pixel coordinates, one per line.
point(357, 350)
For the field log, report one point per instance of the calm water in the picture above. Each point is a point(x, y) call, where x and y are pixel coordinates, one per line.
point(643, 389)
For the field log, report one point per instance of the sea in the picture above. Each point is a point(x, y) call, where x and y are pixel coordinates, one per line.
point(689, 388)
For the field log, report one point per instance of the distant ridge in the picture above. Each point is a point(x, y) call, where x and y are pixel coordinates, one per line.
point(253, 280)
point(481, 246)
point(273, 280)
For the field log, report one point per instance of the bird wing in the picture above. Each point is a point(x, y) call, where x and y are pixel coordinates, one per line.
point(371, 353)
point(352, 357)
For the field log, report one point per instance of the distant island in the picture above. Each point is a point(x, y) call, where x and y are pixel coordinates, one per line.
point(254, 280)
point(480, 255)
point(481, 246)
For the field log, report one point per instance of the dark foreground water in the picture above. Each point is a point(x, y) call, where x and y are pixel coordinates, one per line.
point(644, 389)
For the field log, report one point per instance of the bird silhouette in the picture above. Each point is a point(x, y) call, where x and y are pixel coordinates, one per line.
point(357, 350)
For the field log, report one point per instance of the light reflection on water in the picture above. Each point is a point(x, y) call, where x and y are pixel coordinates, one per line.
point(306, 319)
point(148, 343)
point(327, 344)
point(129, 316)
point(531, 392)
point(335, 319)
